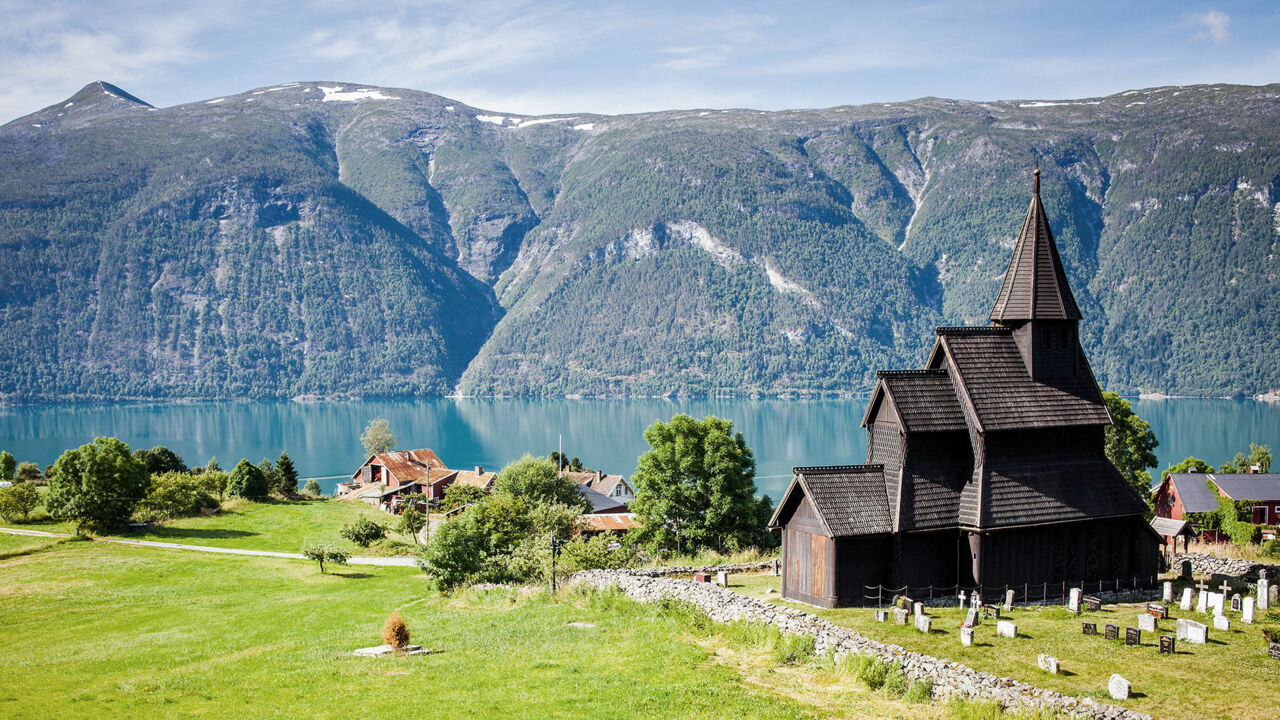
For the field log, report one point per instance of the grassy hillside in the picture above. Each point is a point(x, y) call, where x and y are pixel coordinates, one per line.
point(330, 239)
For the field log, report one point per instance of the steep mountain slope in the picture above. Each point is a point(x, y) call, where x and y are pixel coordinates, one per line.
point(334, 239)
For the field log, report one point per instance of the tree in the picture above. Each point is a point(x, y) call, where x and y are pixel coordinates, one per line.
point(311, 487)
point(363, 532)
point(325, 552)
point(1130, 445)
point(175, 495)
point(247, 481)
point(269, 473)
point(1259, 456)
point(536, 480)
point(214, 482)
point(412, 520)
point(212, 465)
point(6, 465)
point(1186, 466)
point(456, 554)
point(456, 496)
point(97, 485)
point(28, 472)
point(161, 459)
point(286, 475)
point(566, 463)
point(695, 487)
point(377, 437)
point(18, 500)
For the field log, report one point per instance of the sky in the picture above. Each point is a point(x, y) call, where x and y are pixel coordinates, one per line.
point(518, 56)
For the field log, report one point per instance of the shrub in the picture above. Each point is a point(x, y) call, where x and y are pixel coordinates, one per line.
point(247, 481)
point(18, 500)
point(214, 482)
point(1271, 548)
point(6, 465)
point(325, 552)
point(1271, 634)
point(175, 495)
point(29, 473)
point(896, 683)
point(161, 459)
point(921, 691)
point(394, 632)
point(364, 532)
point(873, 673)
point(456, 554)
point(456, 496)
point(412, 520)
point(97, 485)
point(600, 552)
point(312, 488)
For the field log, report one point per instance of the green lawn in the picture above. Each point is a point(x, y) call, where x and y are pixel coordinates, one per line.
point(276, 525)
point(96, 631)
point(1231, 677)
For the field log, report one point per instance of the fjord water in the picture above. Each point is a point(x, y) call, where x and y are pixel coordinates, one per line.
point(323, 437)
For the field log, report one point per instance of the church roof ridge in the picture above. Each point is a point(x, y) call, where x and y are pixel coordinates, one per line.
point(802, 469)
point(972, 330)
point(910, 373)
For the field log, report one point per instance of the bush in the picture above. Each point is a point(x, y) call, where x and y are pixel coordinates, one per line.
point(18, 500)
point(175, 495)
point(600, 552)
point(214, 482)
point(456, 554)
point(325, 552)
point(1271, 634)
point(1271, 548)
point(896, 683)
point(921, 691)
point(793, 649)
point(364, 532)
point(247, 481)
point(873, 673)
point(29, 473)
point(160, 460)
point(6, 465)
point(456, 496)
point(312, 488)
point(394, 632)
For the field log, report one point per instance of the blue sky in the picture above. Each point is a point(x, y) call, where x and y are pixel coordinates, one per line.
point(612, 57)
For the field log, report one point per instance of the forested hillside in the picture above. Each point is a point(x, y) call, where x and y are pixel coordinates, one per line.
point(328, 239)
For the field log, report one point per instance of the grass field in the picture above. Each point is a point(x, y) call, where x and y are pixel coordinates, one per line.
point(1231, 677)
point(275, 525)
point(94, 631)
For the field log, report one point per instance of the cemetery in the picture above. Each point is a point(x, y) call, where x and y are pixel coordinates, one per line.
point(1165, 661)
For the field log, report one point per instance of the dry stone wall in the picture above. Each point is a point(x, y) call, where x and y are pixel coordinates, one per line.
point(1211, 564)
point(949, 679)
point(670, 570)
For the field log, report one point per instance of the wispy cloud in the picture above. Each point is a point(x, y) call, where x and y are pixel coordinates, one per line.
point(1213, 25)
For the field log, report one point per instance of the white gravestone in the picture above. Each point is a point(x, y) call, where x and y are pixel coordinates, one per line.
point(1219, 601)
point(1186, 599)
point(924, 623)
point(1047, 663)
point(1147, 623)
point(1202, 602)
point(1167, 595)
point(1264, 586)
point(917, 608)
point(882, 616)
point(1246, 613)
point(1073, 601)
point(722, 578)
point(1221, 622)
point(1005, 628)
point(1008, 600)
point(1119, 688)
point(962, 599)
point(1192, 631)
point(966, 636)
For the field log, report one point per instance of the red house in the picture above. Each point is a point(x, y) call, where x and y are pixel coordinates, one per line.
point(1183, 493)
point(385, 476)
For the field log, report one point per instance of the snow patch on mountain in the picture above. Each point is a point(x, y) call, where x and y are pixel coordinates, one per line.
point(585, 126)
point(341, 94)
point(494, 119)
point(215, 101)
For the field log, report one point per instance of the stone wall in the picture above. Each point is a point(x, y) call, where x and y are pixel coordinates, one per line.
point(758, 566)
point(949, 679)
point(1210, 564)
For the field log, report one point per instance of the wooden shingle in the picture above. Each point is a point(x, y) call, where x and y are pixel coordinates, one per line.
point(850, 499)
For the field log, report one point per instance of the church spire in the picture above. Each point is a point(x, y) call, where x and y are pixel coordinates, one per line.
point(1035, 286)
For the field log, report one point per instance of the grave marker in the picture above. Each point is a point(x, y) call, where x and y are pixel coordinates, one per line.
point(1119, 688)
point(924, 624)
point(1147, 622)
point(701, 577)
point(1047, 663)
point(1008, 600)
point(1186, 569)
point(966, 636)
point(1192, 631)
point(722, 578)
point(882, 616)
point(917, 608)
point(1093, 603)
point(1202, 600)
point(900, 616)
point(1167, 594)
point(1157, 610)
point(1273, 650)
point(1167, 645)
point(962, 600)
point(1247, 611)
point(1005, 628)
point(1073, 600)
point(1089, 628)
point(1185, 605)
point(991, 611)
point(1236, 604)
point(1221, 622)
point(1264, 597)
point(1111, 632)
point(1133, 636)
point(1219, 602)
point(971, 619)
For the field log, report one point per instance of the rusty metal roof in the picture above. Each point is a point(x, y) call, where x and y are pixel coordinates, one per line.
point(605, 522)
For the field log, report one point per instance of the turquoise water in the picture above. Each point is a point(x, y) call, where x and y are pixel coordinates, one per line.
point(323, 438)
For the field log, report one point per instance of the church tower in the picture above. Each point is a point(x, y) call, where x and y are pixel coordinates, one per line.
point(1035, 302)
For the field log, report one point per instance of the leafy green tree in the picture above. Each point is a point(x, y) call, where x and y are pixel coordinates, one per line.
point(695, 487)
point(212, 465)
point(286, 475)
point(161, 459)
point(1259, 456)
point(1186, 466)
point(214, 483)
point(311, 487)
point(28, 472)
point(18, 500)
point(599, 552)
point(7, 465)
point(325, 553)
point(1130, 445)
point(247, 481)
point(456, 496)
point(377, 437)
point(175, 495)
point(364, 532)
point(456, 554)
point(412, 520)
point(536, 480)
point(97, 485)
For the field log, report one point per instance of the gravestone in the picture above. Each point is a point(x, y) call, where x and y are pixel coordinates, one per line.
point(1167, 594)
point(1247, 610)
point(900, 616)
point(1092, 603)
point(1186, 570)
point(1089, 628)
point(1185, 605)
point(1236, 604)
point(1219, 602)
point(1147, 622)
point(722, 578)
point(701, 577)
point(1157, 610)
point(1273, 650)
point(1111, 632)
point(1202, 602)
point(924, 624)
point(1273, 597)
point(1192, 631)
point(971, 619)
point(1073, 600)
point(1008, 600)
point(1264, 597)
point(917, 608)
point(1119, 688)
point(966, 636)
point(963, 599)
point(1221, 622)
point(1167, 645)
point(1047, 663)
point(1005, 628)
point(1133, 636)
point(882, 616)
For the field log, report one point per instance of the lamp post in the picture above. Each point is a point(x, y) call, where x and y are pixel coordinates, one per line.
point(556, 544)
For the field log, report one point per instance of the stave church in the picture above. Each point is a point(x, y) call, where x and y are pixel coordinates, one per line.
point(984, 469)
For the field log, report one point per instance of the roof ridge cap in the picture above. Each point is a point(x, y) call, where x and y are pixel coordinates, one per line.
point(973, 330)
point(910, 373)
point(868, 467)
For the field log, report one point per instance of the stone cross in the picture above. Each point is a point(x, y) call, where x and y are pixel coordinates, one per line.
point(1226, 588)
point(962, 599)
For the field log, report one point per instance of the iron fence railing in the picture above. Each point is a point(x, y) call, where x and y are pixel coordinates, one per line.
point(1024, 594)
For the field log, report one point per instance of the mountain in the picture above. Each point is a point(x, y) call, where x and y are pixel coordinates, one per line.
point(331, 239)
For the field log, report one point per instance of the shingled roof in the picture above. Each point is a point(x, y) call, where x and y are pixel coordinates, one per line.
point(1034, 491)
point(1035, 286)
point(991, 373)
point(925, 400)
point(850, 499)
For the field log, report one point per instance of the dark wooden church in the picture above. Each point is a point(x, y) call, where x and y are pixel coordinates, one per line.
point(985, 469)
